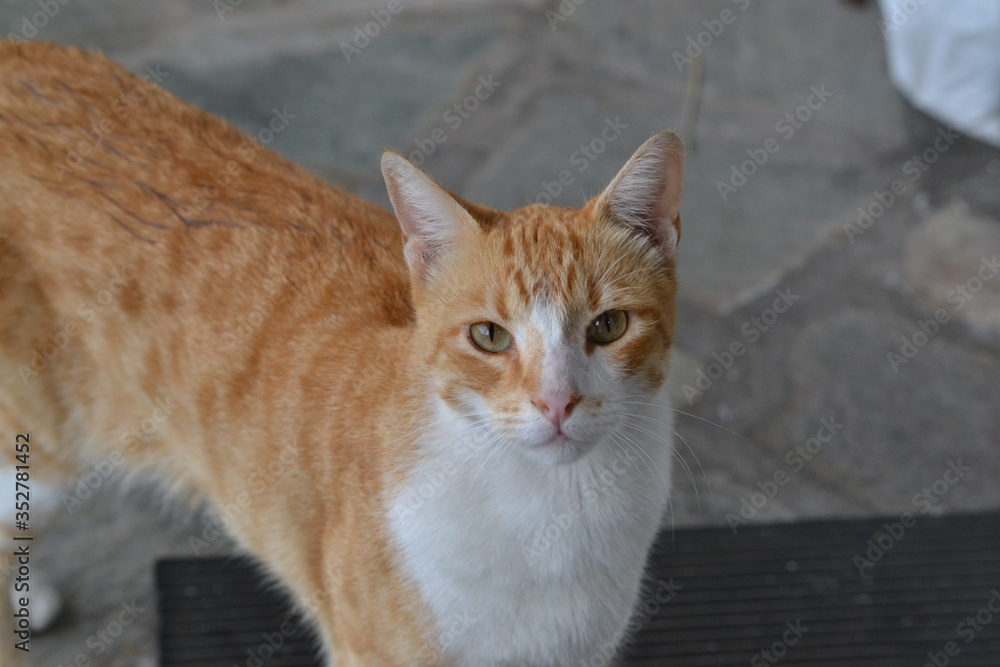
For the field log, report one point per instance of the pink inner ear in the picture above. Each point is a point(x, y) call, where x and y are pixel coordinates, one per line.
point(429, 216)
point(646, 193)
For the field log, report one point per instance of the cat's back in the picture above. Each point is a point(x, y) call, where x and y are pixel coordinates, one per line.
point(103, 171)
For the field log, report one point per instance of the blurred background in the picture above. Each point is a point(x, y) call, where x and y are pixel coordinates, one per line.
point(839, 340)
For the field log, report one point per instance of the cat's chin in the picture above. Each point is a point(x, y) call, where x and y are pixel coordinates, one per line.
point(560, 450)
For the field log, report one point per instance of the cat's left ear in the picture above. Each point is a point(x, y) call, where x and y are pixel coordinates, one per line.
point(432, 220)
point(646, 193)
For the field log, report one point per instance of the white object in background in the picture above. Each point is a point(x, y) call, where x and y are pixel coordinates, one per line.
point(944, 56)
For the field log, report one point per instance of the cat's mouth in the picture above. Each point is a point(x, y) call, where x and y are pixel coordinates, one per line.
point(561, 449)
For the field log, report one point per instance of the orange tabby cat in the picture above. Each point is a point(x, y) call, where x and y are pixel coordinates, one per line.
point(441, 430)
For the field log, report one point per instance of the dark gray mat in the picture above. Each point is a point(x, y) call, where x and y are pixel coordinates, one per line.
point(894, 591)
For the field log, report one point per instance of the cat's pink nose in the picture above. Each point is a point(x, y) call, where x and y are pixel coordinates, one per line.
point(556, 406)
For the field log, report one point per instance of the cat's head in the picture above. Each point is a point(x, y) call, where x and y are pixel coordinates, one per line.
point(545, 326)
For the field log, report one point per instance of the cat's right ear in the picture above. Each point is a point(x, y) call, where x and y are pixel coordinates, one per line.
point(432, 220)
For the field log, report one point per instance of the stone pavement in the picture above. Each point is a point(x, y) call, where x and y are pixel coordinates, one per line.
point(839, 340)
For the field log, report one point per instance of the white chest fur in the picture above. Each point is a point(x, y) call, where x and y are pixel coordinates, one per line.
point(526, 564)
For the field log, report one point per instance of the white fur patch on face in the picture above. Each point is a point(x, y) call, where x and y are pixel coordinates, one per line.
point(564, 369)
point(561, 370)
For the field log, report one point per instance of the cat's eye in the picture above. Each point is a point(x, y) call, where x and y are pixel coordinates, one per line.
point(607, 327)
point(490, 337)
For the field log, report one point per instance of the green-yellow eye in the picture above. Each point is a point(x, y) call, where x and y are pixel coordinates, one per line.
point(608, 327)
point(490, 337)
